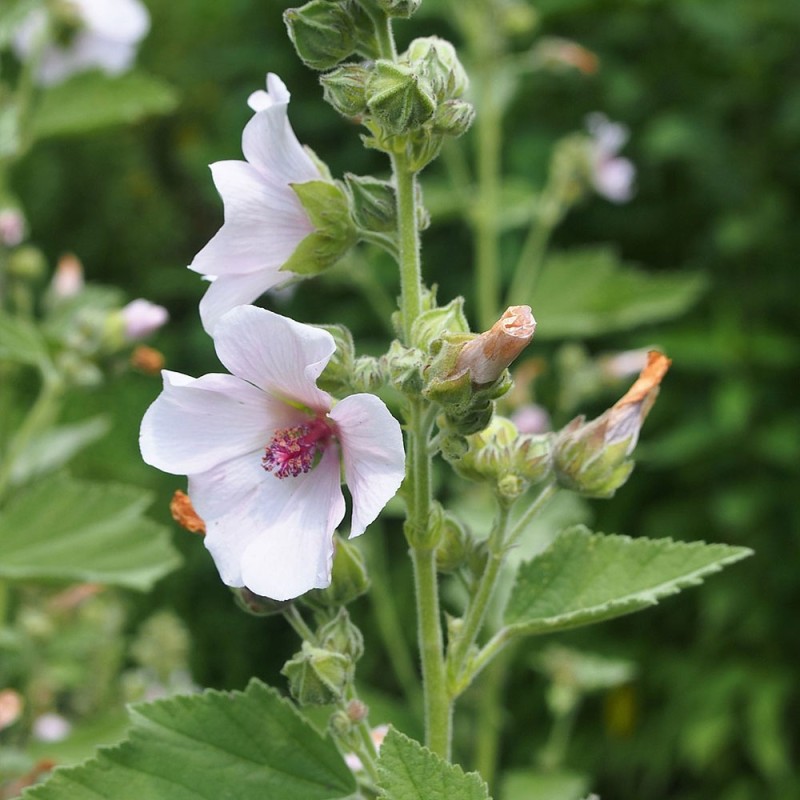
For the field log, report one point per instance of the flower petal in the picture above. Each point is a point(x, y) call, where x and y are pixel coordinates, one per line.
point(196, 424)
point(270, 145)
point(229, 291)
point(118, 20)
point(374, 459)
point(277, 354)
point(273, 536)
point(276, 93)
point(264, 223)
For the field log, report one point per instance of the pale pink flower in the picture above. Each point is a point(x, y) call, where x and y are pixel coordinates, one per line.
point(532, 419)
point(612, 175)
point(141, 318)
point(377, 734)
point(51, 727)
point(264, 219)
point(263, 450)
point(12, 227)
point(107, 36)
point(68, 279)
point(11, 707)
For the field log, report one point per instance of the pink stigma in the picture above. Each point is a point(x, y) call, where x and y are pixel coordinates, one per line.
point(294, 450)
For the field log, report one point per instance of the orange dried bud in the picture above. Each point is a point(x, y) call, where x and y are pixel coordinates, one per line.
point(184, 514)
point(147, 359)
point(487, 355)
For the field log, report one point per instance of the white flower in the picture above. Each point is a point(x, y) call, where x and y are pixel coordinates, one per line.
point(140, 318)
point(107, 35)
point(612, 175)
point(51, 727)
point(263, 450)
point(264, 219)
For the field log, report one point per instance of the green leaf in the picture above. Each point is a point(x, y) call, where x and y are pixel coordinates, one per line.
point(409, 771)
point(21, 342)
point(586, 577)
point(589, 292)
point(249, 745)
point(95, 100)
point(529, 785)
point(56, 447)
point(67, 530)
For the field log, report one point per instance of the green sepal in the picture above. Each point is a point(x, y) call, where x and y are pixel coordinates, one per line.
point(373, 203)
point(349, 578)
point(453, 117)
point(399, 8)
point(340, 635)
point(345, 88)
point(398, 98)
point(327, 207)
point(337, 376)
point(436, 322)
point(317, 677)
point(437, 61)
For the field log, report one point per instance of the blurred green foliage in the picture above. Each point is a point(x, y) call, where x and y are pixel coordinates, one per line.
point(711, 93)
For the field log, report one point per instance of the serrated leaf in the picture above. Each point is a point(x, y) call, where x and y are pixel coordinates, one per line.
point(586, 577)
point(93, 100)
point(589, 292)
point(249, 745)
point(409, 771)
point(68, 530)
point(21, 342)
point(530, 785)
point(51, 450)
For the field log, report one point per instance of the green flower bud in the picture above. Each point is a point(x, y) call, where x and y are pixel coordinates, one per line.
point(436, 322)
point(453, 117)
point(327, 207)
point(337, 376)
point(591, 458)
point(323, 33)
point(399, 8)
point(27, 263)
point(345, 88)
point(318, 677)
point(369, 374)
point(454, 546)
point(437, 61)
point(340, 635)
point(373, 203)
point(349, 579)
point(400, 99)
point(404, 367)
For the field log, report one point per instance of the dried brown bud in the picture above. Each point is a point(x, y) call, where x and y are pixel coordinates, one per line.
point(184, 514)
point(147, 359)
point(487, 355)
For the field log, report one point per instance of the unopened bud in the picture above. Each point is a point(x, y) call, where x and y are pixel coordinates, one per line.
point(68, 278)
point(345, 88)
point(317, 677)
point(400, 99)
point(454, 546)
point(257, 605)
point(338, 373)
point(184, 514)
point(399, 8)
point(374, 203)
point(486, 356)
point(27, 263)
point(349, 578)
point(322, 33)
point(437, 61)
point(592, 457)
point(453, 117)
point(147, 360)
point(340, 635)
point(357, 710)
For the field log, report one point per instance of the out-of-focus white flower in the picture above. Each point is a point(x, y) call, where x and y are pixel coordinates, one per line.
point(51, 727)
point(101, 34)
point(263, 450)
point(264, 219)
point(141, 318)
point(377, 734)
point(612, 175)
point(532, 419)
point(68, 278)
point(12, 227)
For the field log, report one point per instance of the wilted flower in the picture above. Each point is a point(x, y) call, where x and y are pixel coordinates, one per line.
point(263, 450)
point(264, 218)
point(95, 33)
point(612, 175)
point(141, 318)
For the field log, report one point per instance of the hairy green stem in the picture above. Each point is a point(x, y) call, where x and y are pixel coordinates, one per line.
point(293, 616)
point(408, 233)
point(545, 495)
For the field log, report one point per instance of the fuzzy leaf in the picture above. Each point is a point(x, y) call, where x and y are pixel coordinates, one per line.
point(93, 100)
point(605, 295)
point(409, 771)
point(67, 530)
point(248, 745)
point(586, 577)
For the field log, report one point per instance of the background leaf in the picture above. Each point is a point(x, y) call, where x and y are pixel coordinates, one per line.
point(20, 341)
point(409, 771)
point(68, 530)
point(247, 745)
point(586, 577)
point(94, 100)
point(589, 291)
point(530, 785)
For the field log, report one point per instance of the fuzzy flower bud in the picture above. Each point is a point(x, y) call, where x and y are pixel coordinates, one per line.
point(453, 117)
point(592, 457)
point(318, 677)
point(399, 8)
point(399, 98)
point(489, 354)
point(437, 61)
point(349, 578)
point(322, 33)
point(345, 88)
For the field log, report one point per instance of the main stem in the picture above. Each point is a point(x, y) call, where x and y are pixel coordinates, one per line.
point(438, 709)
